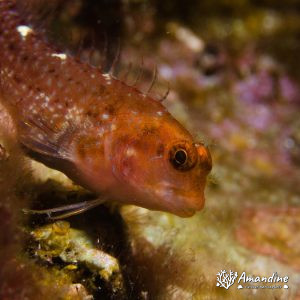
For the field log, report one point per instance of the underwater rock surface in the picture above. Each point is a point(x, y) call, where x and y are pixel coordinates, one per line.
point(272, 231)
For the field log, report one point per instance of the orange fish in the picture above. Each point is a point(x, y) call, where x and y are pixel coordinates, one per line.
point(105, 135)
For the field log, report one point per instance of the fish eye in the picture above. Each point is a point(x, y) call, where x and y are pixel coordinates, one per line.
point(182, 156)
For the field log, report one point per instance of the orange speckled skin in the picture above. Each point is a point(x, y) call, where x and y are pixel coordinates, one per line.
point(105, 135)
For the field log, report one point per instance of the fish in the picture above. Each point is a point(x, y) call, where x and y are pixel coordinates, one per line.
point(107, 136)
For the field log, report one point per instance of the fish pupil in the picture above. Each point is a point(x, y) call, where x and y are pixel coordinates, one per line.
point(180, 157)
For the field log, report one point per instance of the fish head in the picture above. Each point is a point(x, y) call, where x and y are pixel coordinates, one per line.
point(163, 168)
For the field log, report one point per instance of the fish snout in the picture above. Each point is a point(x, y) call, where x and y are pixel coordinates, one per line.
point(205, 160)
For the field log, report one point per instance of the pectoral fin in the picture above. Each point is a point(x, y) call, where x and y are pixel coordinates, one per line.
point(43, 140)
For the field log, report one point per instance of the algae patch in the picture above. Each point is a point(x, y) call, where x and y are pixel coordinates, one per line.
point(74, 247)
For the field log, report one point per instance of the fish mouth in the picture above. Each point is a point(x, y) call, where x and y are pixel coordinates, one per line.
point(180, 202)
point(191, 206)
point(185, 213)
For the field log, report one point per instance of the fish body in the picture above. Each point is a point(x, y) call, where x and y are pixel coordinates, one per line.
point(105, 135)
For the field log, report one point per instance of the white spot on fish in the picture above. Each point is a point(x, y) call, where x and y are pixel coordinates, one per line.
point(130, 152)
point(105, 117)
point(108, 78)
point(62, 56)
point(113, 127)
point(40, 136)
point(24, 31)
